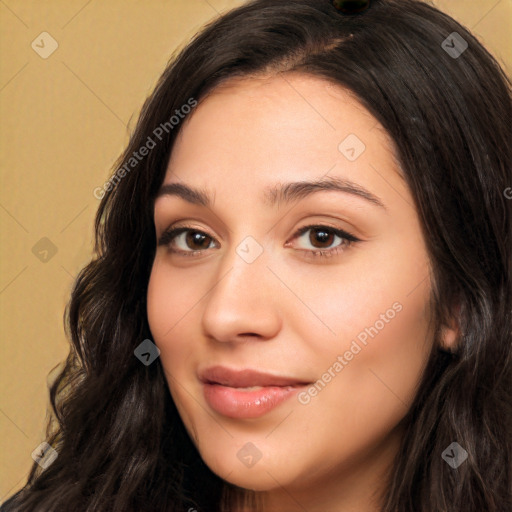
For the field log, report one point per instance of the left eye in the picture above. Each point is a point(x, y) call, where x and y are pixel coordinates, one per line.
point(322, 236)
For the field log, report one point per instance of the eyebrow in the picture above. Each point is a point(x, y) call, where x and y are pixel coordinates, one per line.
point(278, 193)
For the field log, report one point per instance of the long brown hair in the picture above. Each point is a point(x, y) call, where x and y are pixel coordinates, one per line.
point(121, 443)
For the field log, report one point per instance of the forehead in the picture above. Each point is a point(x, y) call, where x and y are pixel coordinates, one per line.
point(252, 132)
point(308, 102)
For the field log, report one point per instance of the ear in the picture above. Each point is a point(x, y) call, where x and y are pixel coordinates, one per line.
point(450, 332)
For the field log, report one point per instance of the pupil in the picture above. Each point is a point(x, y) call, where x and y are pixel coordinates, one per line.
point(321, 235)
point(195, 237)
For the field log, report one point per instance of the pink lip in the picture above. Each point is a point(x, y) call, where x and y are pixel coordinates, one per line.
point(222, 391)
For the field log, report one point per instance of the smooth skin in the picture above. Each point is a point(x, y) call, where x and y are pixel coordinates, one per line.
point(287, 312)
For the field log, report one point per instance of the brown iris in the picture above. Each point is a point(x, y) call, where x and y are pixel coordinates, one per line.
point(196, 237)
point(320, 236)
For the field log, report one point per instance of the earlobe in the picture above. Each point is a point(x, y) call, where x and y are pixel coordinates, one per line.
point(450, 332)
point(449, 338)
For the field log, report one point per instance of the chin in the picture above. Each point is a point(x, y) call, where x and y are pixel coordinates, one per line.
point(255, 478)
point(259, 481)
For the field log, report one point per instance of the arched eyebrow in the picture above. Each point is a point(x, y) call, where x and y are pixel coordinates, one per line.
point(277, 193)
point(288, 192)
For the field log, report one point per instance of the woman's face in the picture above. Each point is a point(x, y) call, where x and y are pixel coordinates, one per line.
point(291, 371)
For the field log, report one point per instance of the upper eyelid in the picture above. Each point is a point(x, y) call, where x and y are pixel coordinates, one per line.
point(337, 230)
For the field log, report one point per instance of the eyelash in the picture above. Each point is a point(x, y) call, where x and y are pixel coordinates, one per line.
point(348, 239)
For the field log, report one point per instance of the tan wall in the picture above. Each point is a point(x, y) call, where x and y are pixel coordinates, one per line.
point(65, 120)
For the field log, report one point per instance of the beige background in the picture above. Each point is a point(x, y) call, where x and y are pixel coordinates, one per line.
point(65, 119)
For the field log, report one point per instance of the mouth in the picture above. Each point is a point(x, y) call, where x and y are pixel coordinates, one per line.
point(245, 394)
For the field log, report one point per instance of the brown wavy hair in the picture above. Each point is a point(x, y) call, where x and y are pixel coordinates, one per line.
point(122, 445)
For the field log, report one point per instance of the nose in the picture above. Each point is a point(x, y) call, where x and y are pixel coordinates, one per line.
point(244, 301)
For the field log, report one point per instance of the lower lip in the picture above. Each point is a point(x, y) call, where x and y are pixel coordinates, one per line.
point(237, 403)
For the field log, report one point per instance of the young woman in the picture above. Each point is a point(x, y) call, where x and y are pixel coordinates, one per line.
point(302, 293)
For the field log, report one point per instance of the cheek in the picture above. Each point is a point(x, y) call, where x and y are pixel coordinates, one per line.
point(170, 299)
point(170, 307)
point(382, 363)
point(345, 299)
point(380, 316)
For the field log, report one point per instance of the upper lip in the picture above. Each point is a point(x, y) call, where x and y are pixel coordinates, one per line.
point(245, 378)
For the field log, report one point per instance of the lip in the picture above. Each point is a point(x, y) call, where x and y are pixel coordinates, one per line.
point(225, 391)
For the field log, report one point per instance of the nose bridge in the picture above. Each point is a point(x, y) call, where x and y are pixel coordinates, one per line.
point(243, 300)
point(244, 264)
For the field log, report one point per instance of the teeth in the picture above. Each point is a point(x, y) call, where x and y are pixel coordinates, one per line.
point(251, 388)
